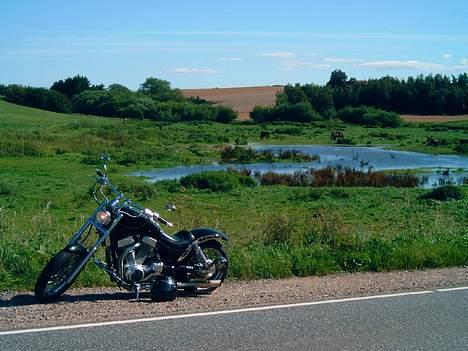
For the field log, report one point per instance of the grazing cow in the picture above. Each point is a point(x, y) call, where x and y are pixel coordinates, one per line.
point(431, 141)
point(264, 134)
point(336, 135)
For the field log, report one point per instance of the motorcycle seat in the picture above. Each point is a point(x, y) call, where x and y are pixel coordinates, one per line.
point(179, 240)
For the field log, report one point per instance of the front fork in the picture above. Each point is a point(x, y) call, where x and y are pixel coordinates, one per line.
point(75, 245)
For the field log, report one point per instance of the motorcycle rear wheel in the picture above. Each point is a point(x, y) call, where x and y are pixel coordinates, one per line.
point(213, 250)
point(52, 282)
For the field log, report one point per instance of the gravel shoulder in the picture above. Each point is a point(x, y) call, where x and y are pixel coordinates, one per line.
point(19, 310)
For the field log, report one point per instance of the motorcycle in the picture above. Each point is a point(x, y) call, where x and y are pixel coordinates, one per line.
point(139, 254)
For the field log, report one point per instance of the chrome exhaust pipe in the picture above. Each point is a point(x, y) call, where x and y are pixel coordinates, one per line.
point(199, 284)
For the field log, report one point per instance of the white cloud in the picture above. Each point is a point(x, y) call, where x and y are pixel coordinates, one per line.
point(292, 65)
point(279, 54)
point(313, 54)
point(231, 58)
point(464, 61)
point(412, 64)
point(187, 70)
point(447, 56)
point(342, 60)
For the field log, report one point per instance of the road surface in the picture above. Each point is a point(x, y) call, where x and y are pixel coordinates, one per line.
point(427, 320)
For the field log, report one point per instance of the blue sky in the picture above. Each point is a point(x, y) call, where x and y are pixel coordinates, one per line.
point(242, 43)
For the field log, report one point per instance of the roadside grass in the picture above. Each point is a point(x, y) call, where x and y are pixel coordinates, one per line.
point(47, 161)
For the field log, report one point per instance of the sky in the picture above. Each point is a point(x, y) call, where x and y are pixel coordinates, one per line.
point(203, 44)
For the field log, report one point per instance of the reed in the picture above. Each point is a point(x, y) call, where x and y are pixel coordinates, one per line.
point(343, 177)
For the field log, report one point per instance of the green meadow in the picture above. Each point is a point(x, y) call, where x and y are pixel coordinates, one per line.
point(47, 161)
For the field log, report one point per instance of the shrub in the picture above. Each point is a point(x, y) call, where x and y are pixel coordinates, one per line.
point(299, 112)
point(279, 229)
point(369, 116)
point(444, 193)
point(238, 153)
point(139, 189)
point(225, 114)
point(216, 181)
point(7, 188)
point(38, 98)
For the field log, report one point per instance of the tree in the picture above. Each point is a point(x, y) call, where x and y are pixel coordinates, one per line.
point(38, 98)
point(74, 86)
point(159, 89)
point(294, 94)
point(321, 99)
point(338, 79)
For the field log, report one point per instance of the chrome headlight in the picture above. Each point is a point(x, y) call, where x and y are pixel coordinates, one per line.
point(103, 217)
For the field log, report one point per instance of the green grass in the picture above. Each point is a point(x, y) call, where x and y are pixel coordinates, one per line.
point(46, 160)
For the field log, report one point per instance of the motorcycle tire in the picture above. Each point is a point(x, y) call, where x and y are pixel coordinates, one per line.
point(52, 282)
point(213, 250)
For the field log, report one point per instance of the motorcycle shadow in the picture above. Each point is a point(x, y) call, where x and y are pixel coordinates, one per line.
point(28, 299)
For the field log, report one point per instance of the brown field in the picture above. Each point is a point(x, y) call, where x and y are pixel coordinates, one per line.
point(244, 99)
point(433, 119)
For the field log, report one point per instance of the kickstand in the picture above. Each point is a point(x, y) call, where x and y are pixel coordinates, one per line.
point(136, 290)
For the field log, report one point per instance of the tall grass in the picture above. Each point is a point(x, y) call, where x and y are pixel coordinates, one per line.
point(329, 246)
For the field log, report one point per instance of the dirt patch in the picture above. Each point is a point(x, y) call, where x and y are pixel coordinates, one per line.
point(242, 100)
point(20, 310)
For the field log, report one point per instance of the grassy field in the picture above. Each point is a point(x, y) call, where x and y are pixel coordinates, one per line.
point(46, 160)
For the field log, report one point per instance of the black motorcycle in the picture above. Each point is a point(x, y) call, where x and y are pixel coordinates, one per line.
point(139, 255)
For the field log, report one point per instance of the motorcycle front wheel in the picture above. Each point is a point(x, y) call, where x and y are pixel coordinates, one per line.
point(52, 282)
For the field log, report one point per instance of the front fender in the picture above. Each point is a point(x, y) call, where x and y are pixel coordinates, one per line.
point(205, 234)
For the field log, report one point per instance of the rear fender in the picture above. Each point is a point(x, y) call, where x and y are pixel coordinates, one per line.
point(206, 234)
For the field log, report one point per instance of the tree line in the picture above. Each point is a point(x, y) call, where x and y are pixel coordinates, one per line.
point(155, 100)
point(423, 95)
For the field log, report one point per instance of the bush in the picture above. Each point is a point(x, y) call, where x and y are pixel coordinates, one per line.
point(139, 189)
point(7, 188)
point(444, 193)
point(279, 229)
point(217, 181)
point(225, 114)
point(41, 98)
point(369, 116)
point(299, 112)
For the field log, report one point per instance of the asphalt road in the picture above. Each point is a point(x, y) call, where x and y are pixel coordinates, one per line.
point(428, 321)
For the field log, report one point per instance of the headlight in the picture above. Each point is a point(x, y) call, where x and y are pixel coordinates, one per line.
point(103, 217)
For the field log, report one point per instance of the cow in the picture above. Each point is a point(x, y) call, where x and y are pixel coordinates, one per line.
point(431, 141)
point(264, 134)
point(336, 135)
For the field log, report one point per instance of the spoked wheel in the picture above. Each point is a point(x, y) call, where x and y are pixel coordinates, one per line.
point(52, 282)
point(214, 252)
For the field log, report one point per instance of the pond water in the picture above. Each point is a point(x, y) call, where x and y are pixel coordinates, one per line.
point(437, 169)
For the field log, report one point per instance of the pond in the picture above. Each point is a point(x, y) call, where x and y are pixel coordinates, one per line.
point(435, 169)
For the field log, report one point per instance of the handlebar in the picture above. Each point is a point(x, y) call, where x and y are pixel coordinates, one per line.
point(157, 217)
point(103, 181)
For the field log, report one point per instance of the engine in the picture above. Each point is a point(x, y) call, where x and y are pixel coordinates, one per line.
point(137, 261)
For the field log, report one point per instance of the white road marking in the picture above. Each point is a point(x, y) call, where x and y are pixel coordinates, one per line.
point(215, 313)
point(452, 289)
